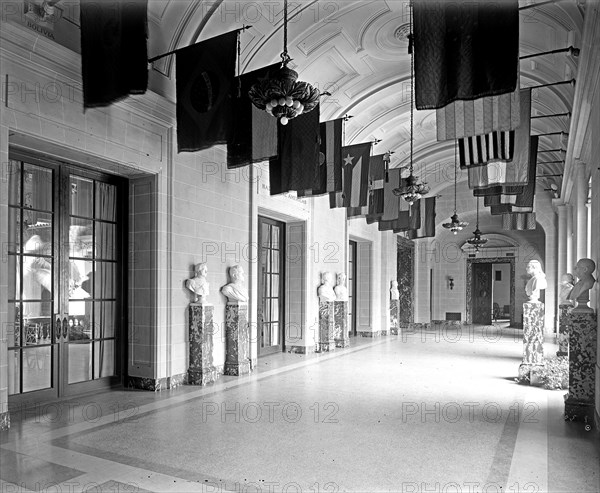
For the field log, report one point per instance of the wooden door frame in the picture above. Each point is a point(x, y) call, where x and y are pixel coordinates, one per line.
point(353, 320)
point(469, 284)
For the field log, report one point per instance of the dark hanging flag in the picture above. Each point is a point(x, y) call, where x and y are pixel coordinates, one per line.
point(396, 210)
point(427, 229)
point(296, 167)
point(330, 159)
point(114, 56)
point(407, 220)
point(464, 50)
point(205, 74)
point(524, 200)
point(254, 131)
point(484, 149)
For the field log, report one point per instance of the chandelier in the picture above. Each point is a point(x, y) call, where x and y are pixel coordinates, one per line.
point(455, 225)
point(477, 240)
point(413, 190)
point(282, 94)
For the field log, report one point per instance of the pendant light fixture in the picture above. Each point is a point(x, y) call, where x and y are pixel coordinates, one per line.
point(455, 225)
point(282, 94)
point(477, 240)
point(413, 190)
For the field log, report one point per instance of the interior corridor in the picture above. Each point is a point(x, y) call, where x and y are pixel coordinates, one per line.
point(423, 411)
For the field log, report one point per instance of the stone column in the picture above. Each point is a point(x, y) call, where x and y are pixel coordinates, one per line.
point(564, 323)
point(570, 240)
point(533, 339)
point(394, 313)
point(340, 320)
point(562, 265)
point(237, 344)
point(326, 340)
point(583, 340)
point(201, 370)
point(582, 211)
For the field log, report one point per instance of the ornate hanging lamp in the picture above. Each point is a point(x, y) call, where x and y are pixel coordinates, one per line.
point(282, 94)
point(413, 190)
point(477, 240)
point(455, 225)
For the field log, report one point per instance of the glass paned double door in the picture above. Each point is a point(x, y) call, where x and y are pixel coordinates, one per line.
point(63, 268)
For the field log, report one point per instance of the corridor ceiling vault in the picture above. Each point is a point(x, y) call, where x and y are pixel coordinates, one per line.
point(358, 51)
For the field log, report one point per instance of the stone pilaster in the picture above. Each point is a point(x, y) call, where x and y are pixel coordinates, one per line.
point(326, 340)
point(563, 329)
point(533, 339)
point(340, 321)
point(201, 370)
point(583, 337)
point(237, 344)
point(394, 312)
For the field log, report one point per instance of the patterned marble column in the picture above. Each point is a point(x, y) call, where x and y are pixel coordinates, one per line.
point(237, 344)
point(533, 339)
point(201, 370)
point(326, 340)
point(563, 329)
point(394, 323)
point(579, 402)
point(340, 321)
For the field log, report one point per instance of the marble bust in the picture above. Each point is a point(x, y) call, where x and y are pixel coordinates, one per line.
point(199, 284)
point(537, 281)
point(325, 291)
point(236, 291)
point(564, 289)
point(581, 290)
point(341, 291)
point(394, 293)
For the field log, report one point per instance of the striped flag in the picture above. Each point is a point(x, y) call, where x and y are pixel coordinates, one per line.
point(376, 176)
point(427, 228)
point(478, 117)
point(517, 221)
point(355, 163)
point(524, 200)
point(483, 149)
point(378, 168)
point(330, 159)
point(395, 208)
point(407, 220)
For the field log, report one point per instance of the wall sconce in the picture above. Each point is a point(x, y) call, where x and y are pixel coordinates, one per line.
point(451, 282)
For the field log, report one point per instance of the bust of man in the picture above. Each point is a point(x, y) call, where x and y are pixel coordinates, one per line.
point(537, 281)
point(394, 293)
point(325, 291)
point(581, 290)
point(341, 291)
point(564, 289)
point(198, 284)
point(235, 290)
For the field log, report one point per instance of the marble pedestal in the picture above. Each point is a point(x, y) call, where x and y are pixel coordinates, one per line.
point(394, 312)
point(326, 340)
point(583, 336)
point(533, 339)
point(340, 322)
point(201, 370)
point(237, 344)
point(563, 329)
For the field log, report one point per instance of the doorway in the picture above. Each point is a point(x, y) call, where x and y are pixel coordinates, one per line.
point(66, 292)
point(490, 290)
point(351, 284)
point(271, 284)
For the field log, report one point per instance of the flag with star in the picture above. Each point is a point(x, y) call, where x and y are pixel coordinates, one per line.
point(355, 159)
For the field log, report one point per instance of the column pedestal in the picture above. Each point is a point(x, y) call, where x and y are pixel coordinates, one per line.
point(533, 340)
point(583, 336)
point(326, 340)
point(340, 321)
point(563, 329)
point(237, 344)
point(394, 312)
point(201, 370)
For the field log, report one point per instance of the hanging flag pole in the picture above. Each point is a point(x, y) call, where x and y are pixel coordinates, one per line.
point(571, 49)
point(158, 57)
point(555, 115)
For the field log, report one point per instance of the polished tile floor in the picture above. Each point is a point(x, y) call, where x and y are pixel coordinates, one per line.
point(430, 411)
